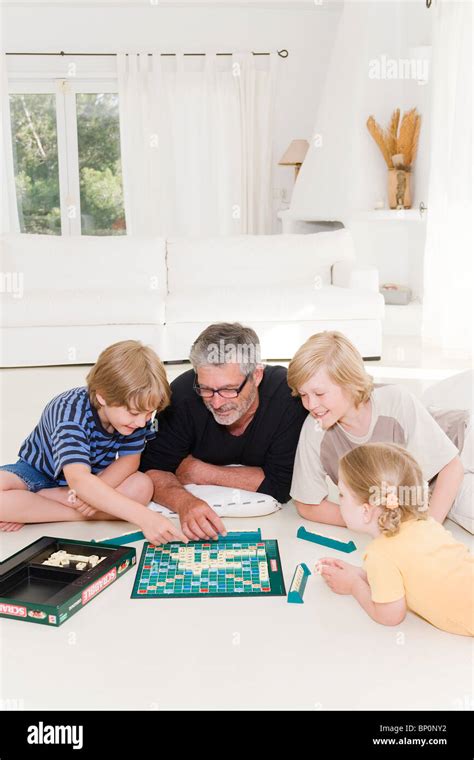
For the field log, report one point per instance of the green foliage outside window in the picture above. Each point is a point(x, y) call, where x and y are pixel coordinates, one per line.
point(35, 152)
point(35, 148)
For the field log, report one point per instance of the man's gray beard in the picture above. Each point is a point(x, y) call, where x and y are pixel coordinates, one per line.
point(238, 412)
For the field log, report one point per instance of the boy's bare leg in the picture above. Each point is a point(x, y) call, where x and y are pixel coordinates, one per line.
point(9, 480)
point(19, 506)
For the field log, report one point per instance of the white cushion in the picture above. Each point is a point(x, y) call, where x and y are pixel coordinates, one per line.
point(462, 511)
point(280, 340)
point(227, 502)
point(251, 303)
point(258, 259)
point(348, 274)
point(83, 307)
point(456, 392)
point(71, 344)
point(467, 453)
point(52, 262)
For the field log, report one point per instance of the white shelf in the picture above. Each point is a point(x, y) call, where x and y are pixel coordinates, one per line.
point(375, 215)
point(393, 215)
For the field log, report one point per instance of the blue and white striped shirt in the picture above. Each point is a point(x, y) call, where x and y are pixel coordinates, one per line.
point(70, 430)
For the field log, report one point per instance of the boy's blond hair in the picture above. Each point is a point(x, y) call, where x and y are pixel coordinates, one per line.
point(129, 374)
point(386, 475)
point(341, 359)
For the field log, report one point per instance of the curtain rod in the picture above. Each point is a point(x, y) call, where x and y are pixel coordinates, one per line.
point(282, 53)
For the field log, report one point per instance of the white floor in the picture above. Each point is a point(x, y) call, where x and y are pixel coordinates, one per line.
point(247, 653)
point(327, 654)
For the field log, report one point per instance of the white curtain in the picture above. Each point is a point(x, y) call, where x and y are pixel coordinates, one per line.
point(256, 99)
point(196, 138)
point(447, 302)
point(342, 174)
point(9, 210)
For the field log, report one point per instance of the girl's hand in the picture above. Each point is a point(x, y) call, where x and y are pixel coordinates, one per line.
point(338, 575)
point(159, 530)
point(332, 561)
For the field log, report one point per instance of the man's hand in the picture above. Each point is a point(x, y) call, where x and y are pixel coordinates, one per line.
point(339, 575)
point(191, 471)
point(199, 521)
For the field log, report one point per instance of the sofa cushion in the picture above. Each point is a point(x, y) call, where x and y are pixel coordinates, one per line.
point(43, 308)
point(249, 304)
point(453, 422)
point(462, 511)
point(53, 262)
point(260, 259)
point(455, 392)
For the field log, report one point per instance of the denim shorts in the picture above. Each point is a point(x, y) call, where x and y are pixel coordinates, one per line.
point(33, 478)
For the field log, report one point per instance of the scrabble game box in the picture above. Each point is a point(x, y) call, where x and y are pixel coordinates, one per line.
point(53, 578)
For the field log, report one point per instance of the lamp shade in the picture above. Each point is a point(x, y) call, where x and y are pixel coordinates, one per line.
point(295, 153)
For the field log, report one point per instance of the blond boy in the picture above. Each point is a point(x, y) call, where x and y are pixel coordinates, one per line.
point(81, 460)
point(346, 411)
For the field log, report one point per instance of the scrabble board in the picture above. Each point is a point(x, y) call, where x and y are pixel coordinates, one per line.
point(218, 568)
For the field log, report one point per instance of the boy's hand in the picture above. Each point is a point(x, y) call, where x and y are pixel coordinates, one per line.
point(79, 505)
point(85, 510)
point(338, 575)
point(159, 530)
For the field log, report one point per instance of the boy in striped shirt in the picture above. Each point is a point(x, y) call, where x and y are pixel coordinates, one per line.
point(81, 460)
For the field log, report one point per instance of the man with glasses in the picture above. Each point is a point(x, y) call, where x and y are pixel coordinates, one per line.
point(228, 410)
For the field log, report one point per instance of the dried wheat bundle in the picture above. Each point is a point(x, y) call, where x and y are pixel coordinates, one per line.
point(399, 142)
point(377, 133)
point(406, 134)
point(414, 142)
point(391, 134)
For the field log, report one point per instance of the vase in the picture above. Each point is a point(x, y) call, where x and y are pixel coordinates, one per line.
point(399, 189)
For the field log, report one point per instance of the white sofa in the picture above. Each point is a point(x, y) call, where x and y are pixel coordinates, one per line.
point(64, 299)
point(457, 393)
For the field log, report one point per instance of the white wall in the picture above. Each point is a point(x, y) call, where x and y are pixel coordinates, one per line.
point(397, 248)
point(345, 174)
point(306, 32)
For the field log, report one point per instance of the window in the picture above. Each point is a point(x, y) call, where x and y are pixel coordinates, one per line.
point(100, 171)
point(35, 155)
point(66, 146)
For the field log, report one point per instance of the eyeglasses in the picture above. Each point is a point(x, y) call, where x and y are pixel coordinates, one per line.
point(223, 392)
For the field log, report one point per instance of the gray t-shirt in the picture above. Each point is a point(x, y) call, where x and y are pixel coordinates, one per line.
point(397, 417)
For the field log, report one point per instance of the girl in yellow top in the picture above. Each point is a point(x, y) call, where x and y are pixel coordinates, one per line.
point(413, 562)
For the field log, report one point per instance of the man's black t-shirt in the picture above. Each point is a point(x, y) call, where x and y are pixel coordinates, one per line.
point(269, 441)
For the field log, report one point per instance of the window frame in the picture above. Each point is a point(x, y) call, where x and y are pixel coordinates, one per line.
point(65, 91)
